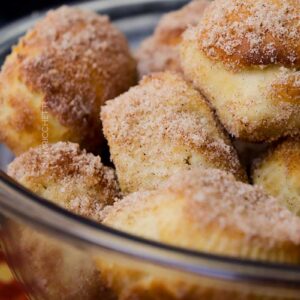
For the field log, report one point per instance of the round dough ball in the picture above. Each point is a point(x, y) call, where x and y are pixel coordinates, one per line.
point(278, 172)
point(160, 52)
point(67, 176)
point(204, 210)
point(244, 57)
point(77, 181)
point(163, 126)
point(56, 78)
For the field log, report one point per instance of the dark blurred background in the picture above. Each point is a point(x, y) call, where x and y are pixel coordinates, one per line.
point(11, 10)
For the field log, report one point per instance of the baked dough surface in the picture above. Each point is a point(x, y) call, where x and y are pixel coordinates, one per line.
point(160, 51)
point(56, 78)
point(278, 172)
point(243, 56)
point(163, 126)
point(67, 176)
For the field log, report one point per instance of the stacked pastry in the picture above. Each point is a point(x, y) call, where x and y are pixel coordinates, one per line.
point(228, 71)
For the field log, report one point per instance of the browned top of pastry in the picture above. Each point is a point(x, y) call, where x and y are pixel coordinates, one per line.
point(181, 116)
point(68, 176)
point(209, 198)
point(173, 24)
point(243, 33)
point(77, 60)
point(286, 87)
point(215, 196)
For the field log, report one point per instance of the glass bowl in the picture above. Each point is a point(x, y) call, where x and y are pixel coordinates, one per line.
point(57, 255)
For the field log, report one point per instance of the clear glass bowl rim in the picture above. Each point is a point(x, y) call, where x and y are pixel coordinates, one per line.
point(20, 204)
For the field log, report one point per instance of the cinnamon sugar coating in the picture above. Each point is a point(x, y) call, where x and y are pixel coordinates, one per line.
point(163, 126)
point(160, 52)
point(68, 176)
point(254, 32)
point(203, 201)
point(60, 73)
point(286, 87)
point(243, 56)
point(278, 172)
point(204, 210)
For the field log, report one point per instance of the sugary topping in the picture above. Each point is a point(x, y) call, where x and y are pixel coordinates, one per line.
point(253, 32)
point(69, 174)
point(214, 197)
point(164, 107)
point(156, 56)
point(173, 24)
point(286, 154)
point(77, 59)
point(160, 51)
point(56, 160)
point(170, 100)
point(287, 77)
point(286, 87)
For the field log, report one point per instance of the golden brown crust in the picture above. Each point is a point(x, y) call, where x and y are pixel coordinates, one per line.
point(159, 52)
point(67, 38)
point(70, 63)
point(161, 126)
point(278, 172)
point(250, 33)
point(286, 151)
point(173, 24)
point(286, 87)
point(68, 176)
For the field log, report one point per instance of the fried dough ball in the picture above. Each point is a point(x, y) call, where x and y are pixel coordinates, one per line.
point(77, 181)
point(160, 52)
point(204, 210)
point(67, 176)
point(58, 76)
point(160, 127)
point(243, 56)
point(278, 172)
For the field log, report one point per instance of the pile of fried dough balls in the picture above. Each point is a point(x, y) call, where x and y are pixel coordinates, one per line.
point(205, 147)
